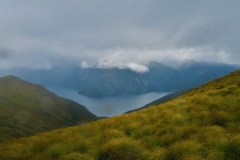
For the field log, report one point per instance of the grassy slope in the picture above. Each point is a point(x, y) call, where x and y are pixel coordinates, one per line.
point(204, 123)
point(161, 100)
point(27, 109)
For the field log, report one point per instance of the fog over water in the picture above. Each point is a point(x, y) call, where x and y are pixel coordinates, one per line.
point(108, 106)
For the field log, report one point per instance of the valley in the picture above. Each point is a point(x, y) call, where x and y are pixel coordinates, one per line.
point(119, 80)
point(203, 123)
point(108, 106)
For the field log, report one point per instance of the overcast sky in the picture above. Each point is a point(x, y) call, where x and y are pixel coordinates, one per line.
point(43, 33)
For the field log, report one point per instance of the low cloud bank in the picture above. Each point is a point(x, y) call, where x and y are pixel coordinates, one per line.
point(137, 67)
point(140, 68)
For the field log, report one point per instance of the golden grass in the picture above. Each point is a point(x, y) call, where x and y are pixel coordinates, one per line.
point(203, 124)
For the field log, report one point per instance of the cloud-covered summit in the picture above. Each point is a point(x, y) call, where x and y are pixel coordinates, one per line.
point(140, 68)
point(45, 33)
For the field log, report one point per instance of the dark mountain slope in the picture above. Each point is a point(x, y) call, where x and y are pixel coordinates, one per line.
point(197, 73)
point(27, 109)
point(115, 82)
point(163, 78)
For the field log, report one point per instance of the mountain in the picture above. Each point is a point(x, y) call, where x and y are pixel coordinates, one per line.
point(203, 123)
point(196, 73)
point(115, 82)
point(163, 78)
point(161, 100)
point(99, 82)
point(159, 78)
point(28, 109)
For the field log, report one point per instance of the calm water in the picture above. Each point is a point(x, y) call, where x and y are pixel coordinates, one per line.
point(108, 106)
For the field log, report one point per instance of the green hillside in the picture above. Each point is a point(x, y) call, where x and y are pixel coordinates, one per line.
point(161, 100)
point(202, 124)
point(26, 109)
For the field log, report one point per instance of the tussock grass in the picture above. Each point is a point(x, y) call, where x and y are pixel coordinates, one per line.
point(122, 148)
point(75, 156)
point(203, 124)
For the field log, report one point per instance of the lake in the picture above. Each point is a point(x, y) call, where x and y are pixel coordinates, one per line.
point(108, 106)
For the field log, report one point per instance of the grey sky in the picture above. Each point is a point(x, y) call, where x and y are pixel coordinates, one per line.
point(42, 33)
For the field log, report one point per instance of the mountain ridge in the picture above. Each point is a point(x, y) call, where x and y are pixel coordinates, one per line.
point(99, 82)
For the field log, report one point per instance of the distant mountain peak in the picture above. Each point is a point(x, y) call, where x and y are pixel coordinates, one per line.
point(188, 63)
point(155, 64)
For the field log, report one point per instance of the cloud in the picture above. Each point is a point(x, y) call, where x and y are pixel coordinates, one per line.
point(4, 53)
point(140, 68)
point(84, 64)
point(116, 60)
point(117, 33)
point(137, 68)
point(46, 65)
point(122, 57)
